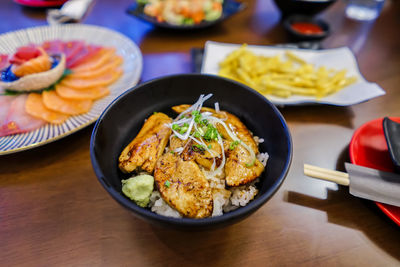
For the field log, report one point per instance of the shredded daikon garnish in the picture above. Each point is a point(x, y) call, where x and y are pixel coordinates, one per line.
point(200, 127)
point(216, 104)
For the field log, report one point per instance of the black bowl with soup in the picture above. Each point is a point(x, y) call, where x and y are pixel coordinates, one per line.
point(122, 120)
point(302, 7)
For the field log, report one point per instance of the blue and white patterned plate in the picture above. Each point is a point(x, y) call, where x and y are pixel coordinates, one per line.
point(132, 67)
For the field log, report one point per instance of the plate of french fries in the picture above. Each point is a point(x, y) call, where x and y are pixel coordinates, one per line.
point(287, 76)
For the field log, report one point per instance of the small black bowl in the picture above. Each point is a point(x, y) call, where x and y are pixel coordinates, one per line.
point(124, 117)
point(298, 36)
point(303, 7)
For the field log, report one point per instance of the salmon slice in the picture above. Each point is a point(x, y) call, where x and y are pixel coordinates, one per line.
point(34, 106)
point(96, 61)
point(35, 65)
point(100, 81)
point(92, 93)
point(67, 106)
point(110, 65)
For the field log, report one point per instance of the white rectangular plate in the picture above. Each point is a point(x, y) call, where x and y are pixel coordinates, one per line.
point(338, 58)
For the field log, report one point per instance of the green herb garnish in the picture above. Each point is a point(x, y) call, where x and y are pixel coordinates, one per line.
point(196, 115)
point(209, 146)
point(234, 144)
point(167, 184)
point(248, 165)
point(175, 127)
point(211, 133)
point(184, 128)
point(198, 148)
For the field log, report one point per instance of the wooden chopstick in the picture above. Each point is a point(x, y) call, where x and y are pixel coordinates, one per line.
point(338, 177)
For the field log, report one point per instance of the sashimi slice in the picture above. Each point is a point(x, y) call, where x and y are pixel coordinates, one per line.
point(39, 64)
point(18, 120)
point(114, 62)
point(5, 103)
point(72, 48)
point(104, 80)
point(96, 61)
point(34, 106)
point(53, 47)
point(83, 55)
point(71, 93)
point(67, 106)
point(4, 63)
point(25, 53)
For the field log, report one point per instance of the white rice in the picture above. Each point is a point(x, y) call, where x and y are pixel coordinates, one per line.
point(258, 140)
point(243, 195)
point(159, 206)
point(220, 200)
point(263, 158)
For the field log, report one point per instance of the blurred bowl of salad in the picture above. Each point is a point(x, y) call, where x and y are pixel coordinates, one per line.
point(184, 14)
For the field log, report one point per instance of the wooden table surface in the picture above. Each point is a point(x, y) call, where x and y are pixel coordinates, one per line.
point(54, 212)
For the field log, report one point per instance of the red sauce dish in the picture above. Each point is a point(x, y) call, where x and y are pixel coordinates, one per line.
point(307, 28)
point(303, 28)
point(368, 148)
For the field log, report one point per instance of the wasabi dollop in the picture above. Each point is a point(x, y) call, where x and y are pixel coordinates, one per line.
point(139, 189)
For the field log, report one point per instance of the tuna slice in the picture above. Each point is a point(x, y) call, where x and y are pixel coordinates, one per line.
point(53, 47)
point(84, 54)
point(4, 61)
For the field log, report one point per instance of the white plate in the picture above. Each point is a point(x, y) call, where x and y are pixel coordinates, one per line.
point(132, 67)
point(339, 58)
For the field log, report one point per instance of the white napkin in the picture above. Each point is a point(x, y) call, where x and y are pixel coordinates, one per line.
point(71, 11)
point(338, 58)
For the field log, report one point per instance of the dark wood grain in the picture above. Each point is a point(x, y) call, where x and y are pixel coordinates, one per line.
point(53, 212)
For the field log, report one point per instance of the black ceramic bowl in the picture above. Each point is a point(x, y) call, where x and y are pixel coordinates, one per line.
point(123, 119)
point(303, 7)
point(299, 36)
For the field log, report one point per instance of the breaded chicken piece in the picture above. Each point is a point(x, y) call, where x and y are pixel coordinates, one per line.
point(238, 171)
point(183, 186)
point(147, 146)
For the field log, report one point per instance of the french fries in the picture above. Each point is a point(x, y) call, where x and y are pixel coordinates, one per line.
point(282, 77)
